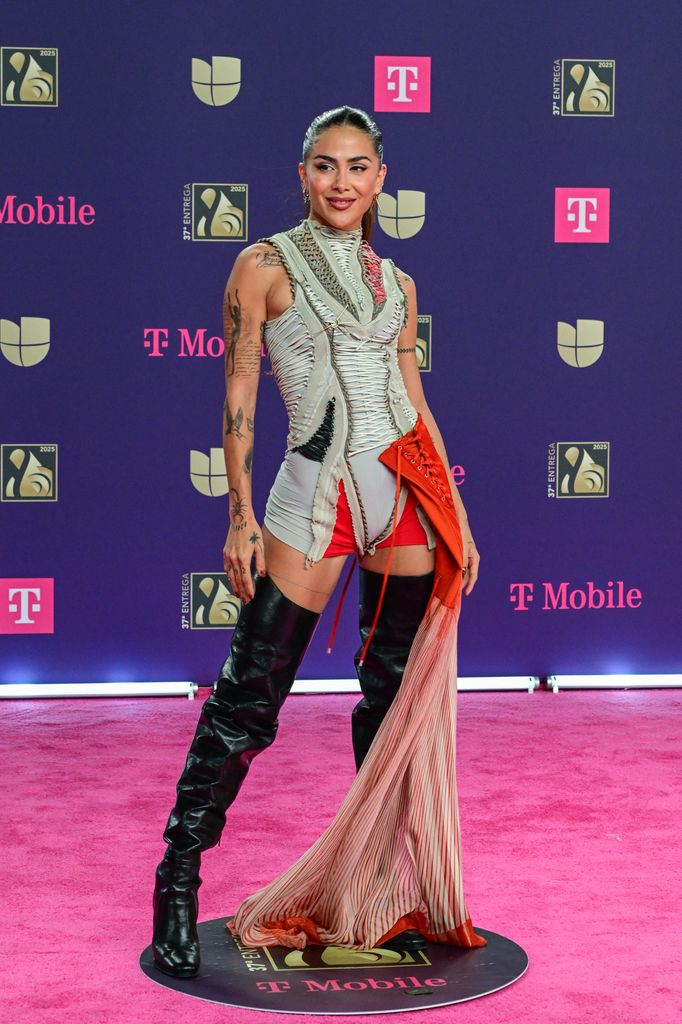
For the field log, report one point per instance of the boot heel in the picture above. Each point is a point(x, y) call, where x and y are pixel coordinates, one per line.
point(175, 943)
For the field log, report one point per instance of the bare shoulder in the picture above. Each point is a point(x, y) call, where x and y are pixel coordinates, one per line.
point(256, 270)
point(406, 281)
point(259, 255)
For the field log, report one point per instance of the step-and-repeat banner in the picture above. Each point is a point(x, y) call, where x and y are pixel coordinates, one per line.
point(532, 193)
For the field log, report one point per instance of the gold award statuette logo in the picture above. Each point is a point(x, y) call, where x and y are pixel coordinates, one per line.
point(216, 213)
point(402, 215)
point(217, 83)
point(584, 88)
point(318, 958)
point(28, 76)
point(27, 342)
point(423, 353)
point(28, 472)
point(208, 473)
point(578, 469)
point(213, 605)
point(581, 345)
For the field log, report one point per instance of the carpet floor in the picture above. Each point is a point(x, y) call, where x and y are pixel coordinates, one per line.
point(570, 815)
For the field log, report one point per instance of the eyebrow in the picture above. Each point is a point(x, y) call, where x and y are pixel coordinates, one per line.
point(351, 159)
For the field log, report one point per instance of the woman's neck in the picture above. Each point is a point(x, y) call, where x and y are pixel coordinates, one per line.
point(330, 229)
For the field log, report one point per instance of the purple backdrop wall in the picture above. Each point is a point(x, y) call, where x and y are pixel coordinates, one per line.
point(127, 133)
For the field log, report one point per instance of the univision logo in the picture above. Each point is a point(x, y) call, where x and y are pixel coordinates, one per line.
point(208, 473)
point(25, 343)
point(581, 345)
point(217, 83)
point(402, 215)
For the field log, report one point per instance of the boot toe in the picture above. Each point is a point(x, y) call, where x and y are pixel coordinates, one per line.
point(179, 963)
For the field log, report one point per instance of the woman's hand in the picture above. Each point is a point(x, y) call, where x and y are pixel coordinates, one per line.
point(242, 543)
point(470, 559)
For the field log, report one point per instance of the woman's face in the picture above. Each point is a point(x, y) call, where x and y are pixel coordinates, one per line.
point(342, 175)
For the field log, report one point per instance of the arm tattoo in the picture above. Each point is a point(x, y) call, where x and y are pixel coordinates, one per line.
point(234, 312)
point(242, 349)
point(237, 511)
point(270, 259)
point(407, 349)
point(248, 459)
point(233, 424)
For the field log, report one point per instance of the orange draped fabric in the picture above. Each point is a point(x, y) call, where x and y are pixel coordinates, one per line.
point(391, 859)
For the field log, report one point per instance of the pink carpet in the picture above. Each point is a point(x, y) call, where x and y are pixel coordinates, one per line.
point(570, 825)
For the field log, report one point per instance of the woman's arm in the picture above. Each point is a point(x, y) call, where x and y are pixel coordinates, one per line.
point(407, 361)
point(244, 312)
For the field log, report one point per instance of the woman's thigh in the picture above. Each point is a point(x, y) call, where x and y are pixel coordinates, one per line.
point(407, 560)
point(311, 587)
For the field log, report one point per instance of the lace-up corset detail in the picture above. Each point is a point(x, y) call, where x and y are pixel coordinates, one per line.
point(432, 469)
point(344, 288)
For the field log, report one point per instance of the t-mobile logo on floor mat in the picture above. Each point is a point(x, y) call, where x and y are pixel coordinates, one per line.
point(581, 214)
point(27, 605)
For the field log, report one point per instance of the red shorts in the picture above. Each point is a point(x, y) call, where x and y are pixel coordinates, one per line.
point(408, 530)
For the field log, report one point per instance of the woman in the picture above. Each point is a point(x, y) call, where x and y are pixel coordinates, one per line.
point(363, 474)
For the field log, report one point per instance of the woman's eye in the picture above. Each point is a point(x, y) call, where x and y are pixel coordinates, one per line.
point(355, 167)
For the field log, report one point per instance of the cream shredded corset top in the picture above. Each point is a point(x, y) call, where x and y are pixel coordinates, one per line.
point(333, 351)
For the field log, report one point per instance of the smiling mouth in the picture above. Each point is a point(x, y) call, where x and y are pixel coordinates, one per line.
point(341, 203)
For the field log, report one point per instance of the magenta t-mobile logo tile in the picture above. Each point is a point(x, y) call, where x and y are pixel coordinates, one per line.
point(581, 214)
point(27, 605)
point(402, 83)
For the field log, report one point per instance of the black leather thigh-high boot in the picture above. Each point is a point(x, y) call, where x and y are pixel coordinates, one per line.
point(402, 610)
point(237, 721)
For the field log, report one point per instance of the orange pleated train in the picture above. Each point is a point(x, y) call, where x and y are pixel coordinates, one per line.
point(392, 858)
